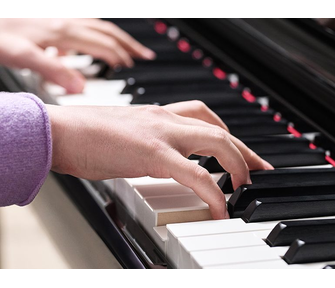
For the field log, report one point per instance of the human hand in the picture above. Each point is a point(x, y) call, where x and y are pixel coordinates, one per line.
point(23, 41)
point(110, 142)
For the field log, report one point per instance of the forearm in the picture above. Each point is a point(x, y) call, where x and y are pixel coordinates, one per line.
point(25, 147)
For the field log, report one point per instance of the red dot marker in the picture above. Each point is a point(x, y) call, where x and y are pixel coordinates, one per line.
point(293, 131)
point(220, 74)
point(160, 27)
point(330, 160)
point(183, 45)
point(246, 94)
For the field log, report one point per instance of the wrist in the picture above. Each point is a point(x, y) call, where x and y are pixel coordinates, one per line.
point(57, 129)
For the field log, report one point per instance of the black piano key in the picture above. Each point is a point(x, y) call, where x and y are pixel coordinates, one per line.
point(329, 267)
point(168, 57)
point(302, 251)
point(300, 124)
point(150, 67)
point(302, 158)
point(250, 119)
point(188, 88)
point(275, 144)
point(210, 98)
point(173, 86)
point(143, 81)
point(260, 129)
point(279, 176)
point(281, 208)
point(161, 45)
point(211, 164)
point(242, 113)
point(279, 160)
point(245, 194)
point(138, 28)
point(238, 110)
point(326, 143)
point(286, 232)
point(174, 74)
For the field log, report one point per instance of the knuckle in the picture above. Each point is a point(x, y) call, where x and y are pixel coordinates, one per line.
point(220, 134)
point(154, 109)
point(59, 26)
point(199, 105)
point(201, 175)
point(112, 44)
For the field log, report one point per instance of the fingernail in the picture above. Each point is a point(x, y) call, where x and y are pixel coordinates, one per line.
point(249, 180)
point(76, 85)
point(130, 64)
point(149, 54)
point(267, 165)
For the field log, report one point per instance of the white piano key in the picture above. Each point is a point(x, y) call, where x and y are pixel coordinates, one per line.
point(76, 61)
point(82, 63)
point(159, 235)
point(217, 241)
point(125, 194)
point(97, 92)
point(154, 212)
point(275, 264)
point(162, 181)
point(269, 264)
point(213, 227)
point(235, 255)
point(178, 252)
point(134, 191)
point(174, 209)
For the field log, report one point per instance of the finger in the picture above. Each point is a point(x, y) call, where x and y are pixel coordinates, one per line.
point(198, 110)
point(254, 161)
point(52, 69)
point(200, 181)
point(98, 45)
point(213, 142)
point(135, 48)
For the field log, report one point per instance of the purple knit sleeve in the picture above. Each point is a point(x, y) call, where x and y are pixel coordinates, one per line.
point(25, 147)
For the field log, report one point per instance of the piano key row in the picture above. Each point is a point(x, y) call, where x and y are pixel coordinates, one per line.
point(235, 244)
point(154, 205)
point(156, 202)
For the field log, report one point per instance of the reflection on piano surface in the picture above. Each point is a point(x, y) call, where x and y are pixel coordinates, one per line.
point(257, 83)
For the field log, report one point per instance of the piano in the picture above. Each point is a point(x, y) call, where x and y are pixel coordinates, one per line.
point(272, 83)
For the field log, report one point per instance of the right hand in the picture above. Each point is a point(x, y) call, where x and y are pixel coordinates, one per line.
point(123, 142)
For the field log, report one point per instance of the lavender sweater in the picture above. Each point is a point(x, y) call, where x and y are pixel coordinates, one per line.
point(25, 147)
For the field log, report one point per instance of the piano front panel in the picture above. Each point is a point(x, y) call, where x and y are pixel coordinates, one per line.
point(168, 224)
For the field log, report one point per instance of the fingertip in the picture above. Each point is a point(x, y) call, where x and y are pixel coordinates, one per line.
point(218, 214)
point(267, 165)
point(149, 54)
point(238, 181)
point(75, 85)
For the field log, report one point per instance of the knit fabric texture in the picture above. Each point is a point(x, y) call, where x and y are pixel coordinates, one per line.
point(25, 147)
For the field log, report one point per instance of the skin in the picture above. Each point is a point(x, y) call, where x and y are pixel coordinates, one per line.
point(110, 142)
point(23, 42)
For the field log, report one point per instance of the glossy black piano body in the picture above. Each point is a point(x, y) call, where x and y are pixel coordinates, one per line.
point(290, 61)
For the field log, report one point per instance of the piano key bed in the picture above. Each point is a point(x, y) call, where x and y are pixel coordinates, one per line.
point(285, 219)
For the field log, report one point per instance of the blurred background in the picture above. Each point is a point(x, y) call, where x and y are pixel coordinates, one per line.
point(50, 233)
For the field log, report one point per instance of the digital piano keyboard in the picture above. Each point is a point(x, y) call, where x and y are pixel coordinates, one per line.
point(272, 83)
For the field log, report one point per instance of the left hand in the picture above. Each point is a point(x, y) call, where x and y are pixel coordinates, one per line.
point(23, 41)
